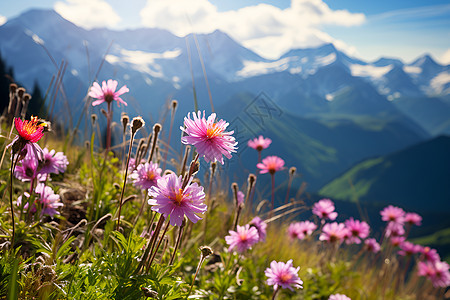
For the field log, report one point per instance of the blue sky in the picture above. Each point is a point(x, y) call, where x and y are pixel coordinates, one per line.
point(365, 29)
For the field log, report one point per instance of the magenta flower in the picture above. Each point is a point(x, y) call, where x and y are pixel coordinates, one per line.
point(301, 230)
point(259, 143)
point(48, 199)
point(240, 198)
point(242, 239)
point(437, 272)
point(283, 275)
point(28, 169)
point(209, 137)
point(107, 93)
point(325, 209)
point(146, 175)
point(338, 297)
point(429, 254)
point(334, 232)
point(394, 229)
point(392, 214)
point(170, 199)
point(261, 226)
point(271, 164)
point(25, 207)
point(53, 162)
point(357, 230)
point(371, 245)
point(413, 219)
point(409, 249)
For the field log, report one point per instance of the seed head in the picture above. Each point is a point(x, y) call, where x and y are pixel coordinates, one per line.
point(136, 124)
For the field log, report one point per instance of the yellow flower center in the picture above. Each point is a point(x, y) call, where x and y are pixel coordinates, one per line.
point(285, 277)
point(213, 131)
point(179, 197)
point(32, 126)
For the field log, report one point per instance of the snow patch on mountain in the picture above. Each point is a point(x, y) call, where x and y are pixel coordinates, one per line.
point(255, 68)
point(369, 70)
point(441, 83)
point(413, 70)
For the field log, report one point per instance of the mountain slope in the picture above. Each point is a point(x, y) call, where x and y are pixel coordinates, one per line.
point(415, 178)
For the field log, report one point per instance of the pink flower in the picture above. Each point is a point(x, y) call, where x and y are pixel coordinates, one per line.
point(271, 164)
point(170, 199)
point(242, 239)
point(429, 254)
point(333, 232)
point(325, 209)
point(371, 245)
point(28, 169)
point(394, 229)
point(240, 198)
point(259, 143)
point(392, 214)
point(301, 230)
point(338, 297)
point(261, 226)
point(146, 175)
point(437, 272)
point(357, 230)
point(48, 199)
point(209, 137)
point(397, 240)
point(29, 133)
point(413, 219)
point(107, 93)
point(53, 162)
point(283, 275)
point(408, 249)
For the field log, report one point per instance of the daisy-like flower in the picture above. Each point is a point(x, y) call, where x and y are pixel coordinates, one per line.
point(146, 175)
point(107, 93)
point(301, 230)
point(283, 275)
point(392, 214)
point(271, 164)
point(29, 133)
point(413, 219)
point(261, 226)
point(28, 169)
point(357, 230)
point(372, 245)
point(334, 232)
point(242, 239)
point(430, 255)
point(437, 272)
point(325, 209)
point(48, 199)
point(394, 229)
point(259, 143)
point(209, 137)
point(397, 240)
point(338, 297)
point(53, 162)
point(169, 198)
point(409, 249)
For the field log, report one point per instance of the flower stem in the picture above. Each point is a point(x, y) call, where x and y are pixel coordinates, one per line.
point(13, 165)
point(180, 234)
point(108, 128)
point(275, 291)
point(157, 246)
point(273, 194)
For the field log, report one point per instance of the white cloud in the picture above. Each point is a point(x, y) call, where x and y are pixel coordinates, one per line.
point(264, 28)
point(88, 13)
point(3, 20)
point(445, 58)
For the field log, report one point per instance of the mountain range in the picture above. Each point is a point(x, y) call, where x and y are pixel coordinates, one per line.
point(324, 110)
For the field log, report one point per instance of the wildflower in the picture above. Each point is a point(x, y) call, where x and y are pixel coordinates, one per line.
point(53, 162)
point(325, 209)
point(107, 93)
point(283, 275)
point(408, 249)
point(261, 226)
point(333, 232)
point(27, 197)
point(338, 297)
point(301, 230)
point(357, 230)
point(48, 199)
point(146, 175)
point(429, 254)
point(242, 239)
point(413, 219)
point(28, 170)
point(394, 229)
point(392, 214)
point(209, 137)
point(240, 198)
point(271, 164)
point(259, 143)
point(437, 272)
point(171, 199)
point(29, 133)
point(372, 245)
point(397, 240)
